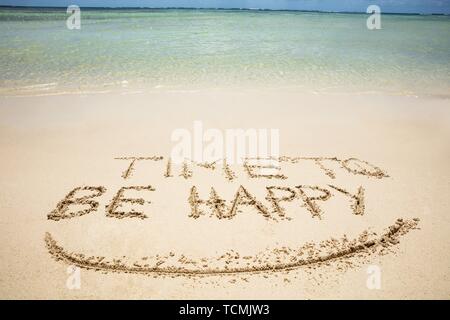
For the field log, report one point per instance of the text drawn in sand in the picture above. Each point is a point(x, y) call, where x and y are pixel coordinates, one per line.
point(215, 204)
point(129, 201)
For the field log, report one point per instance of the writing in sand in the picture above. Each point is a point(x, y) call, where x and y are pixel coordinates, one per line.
point(282, 194)
point(82, 200)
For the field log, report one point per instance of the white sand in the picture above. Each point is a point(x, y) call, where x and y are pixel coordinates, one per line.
point(53, 144)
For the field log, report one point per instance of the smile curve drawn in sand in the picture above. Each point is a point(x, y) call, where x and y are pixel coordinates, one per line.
point(343, 249)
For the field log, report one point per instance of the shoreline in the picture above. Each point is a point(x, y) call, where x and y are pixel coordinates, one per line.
point(51, 89)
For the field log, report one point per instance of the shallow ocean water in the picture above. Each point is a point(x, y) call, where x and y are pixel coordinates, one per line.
point(320, 52)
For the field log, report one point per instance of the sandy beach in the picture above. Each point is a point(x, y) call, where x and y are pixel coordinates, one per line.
point(225, 153)
point(320, 245)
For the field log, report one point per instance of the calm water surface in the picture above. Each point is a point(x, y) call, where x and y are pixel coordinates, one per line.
point(223, 48)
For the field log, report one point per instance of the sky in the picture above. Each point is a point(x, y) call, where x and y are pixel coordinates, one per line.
point(399, 6)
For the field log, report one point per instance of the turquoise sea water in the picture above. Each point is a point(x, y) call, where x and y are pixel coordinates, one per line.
point(130, 49)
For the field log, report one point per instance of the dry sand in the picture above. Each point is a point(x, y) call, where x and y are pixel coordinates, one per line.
point(170, 239)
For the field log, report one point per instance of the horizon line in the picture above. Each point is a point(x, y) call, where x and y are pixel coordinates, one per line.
point(224, 9)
